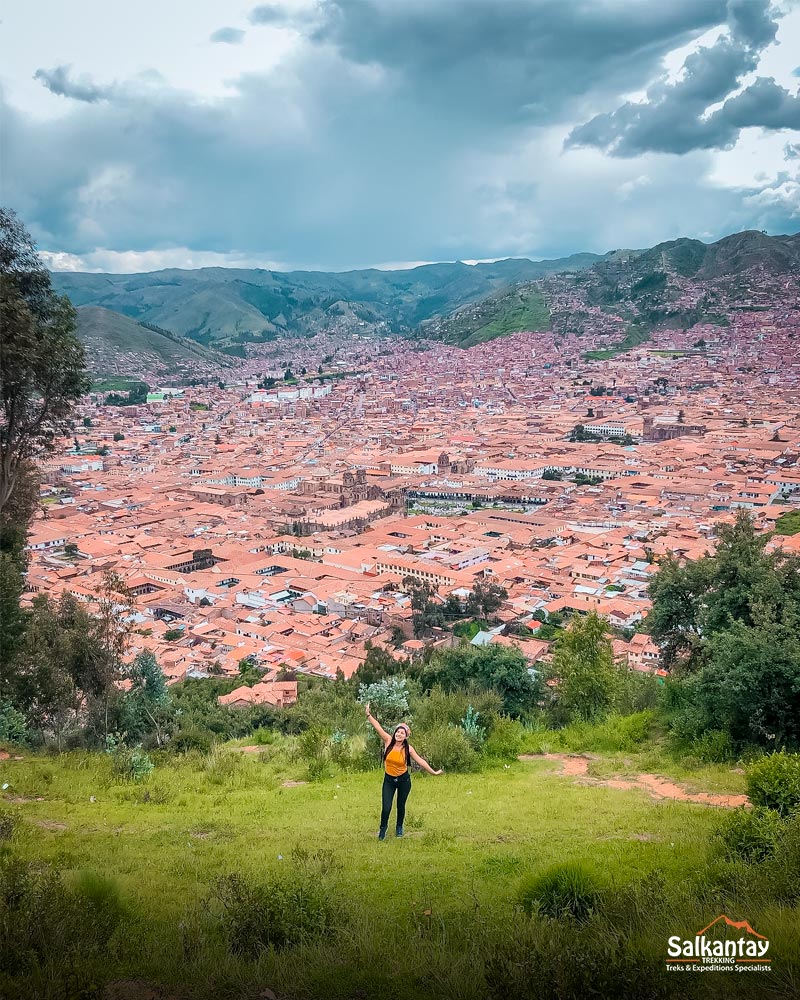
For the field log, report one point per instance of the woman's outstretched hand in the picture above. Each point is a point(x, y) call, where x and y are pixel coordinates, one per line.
point(440, 771)
point(367, 708)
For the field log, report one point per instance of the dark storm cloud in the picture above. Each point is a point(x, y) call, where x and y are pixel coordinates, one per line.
point(519, 60)
point(228, 36)
point(674, 118)
point(59, 82)
point(426, 129)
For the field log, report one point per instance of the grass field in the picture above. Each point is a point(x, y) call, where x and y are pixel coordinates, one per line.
point(788, 523)
point(447, 889)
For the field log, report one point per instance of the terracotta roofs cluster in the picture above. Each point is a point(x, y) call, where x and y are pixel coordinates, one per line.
point(279, 530)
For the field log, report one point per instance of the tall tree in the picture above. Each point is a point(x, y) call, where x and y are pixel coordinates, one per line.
point(42, 371)
point(583, 665)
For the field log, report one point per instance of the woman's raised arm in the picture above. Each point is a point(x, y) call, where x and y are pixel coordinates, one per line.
point(376, 725)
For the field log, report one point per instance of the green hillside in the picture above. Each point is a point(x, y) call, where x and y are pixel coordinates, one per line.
point(520, 308)
point(108, 335)
point(233, 305)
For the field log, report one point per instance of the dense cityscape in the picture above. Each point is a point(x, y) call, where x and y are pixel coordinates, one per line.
point(278, 525)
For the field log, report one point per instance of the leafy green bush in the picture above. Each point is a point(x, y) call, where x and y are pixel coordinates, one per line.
point(563, 890)
point(13, 727)
point(127, 763)
point(713, 747)
point(287, 909)
point(388, 698)
point(505, 741)
point(192, 738)
point(262, 737)
point(314, 747)
point(774, 782)
point(750, 834)
point(447, 747)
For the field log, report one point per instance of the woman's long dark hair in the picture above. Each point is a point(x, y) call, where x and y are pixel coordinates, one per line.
point(392, 742)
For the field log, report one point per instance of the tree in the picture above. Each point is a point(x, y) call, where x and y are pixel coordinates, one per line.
point(681, 416)
point(485, 598)
point(147, 708)
point(584, 668)
point(727, 626)
point(120, 437)
point(502, 669)
point(87, 421)
point(42, 371)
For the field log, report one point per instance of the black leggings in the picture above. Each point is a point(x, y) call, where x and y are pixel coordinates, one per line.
point(402, 786)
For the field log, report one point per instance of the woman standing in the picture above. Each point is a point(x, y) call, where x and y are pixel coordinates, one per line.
point(397, 756)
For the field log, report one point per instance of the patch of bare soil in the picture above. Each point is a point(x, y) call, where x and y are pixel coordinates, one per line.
point(293, 784)
point(19, 800)
point(49, 824)
point(577, 766)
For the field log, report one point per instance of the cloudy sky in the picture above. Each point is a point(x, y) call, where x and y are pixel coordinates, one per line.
point(346, 133)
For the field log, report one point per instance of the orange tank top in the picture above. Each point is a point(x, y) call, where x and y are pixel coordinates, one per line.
point(395, 762)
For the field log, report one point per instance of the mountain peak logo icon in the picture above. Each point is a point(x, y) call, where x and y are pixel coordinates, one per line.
point(739, 925)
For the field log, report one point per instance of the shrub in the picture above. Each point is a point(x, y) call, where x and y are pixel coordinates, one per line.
point(10, 822)
point(473, 730)
point(714, 747)
point(447, 747)
point(193, 738)
point(563, 890)
point(45, 922)
point(505, 741)
point(442, 707)
point(388, 698)
point(127, 763)
point(750, 834)
point(221, 765)
point(286, 910)
point(774, 782)
point(778, 877)
point(262, 736)
point(13, 727)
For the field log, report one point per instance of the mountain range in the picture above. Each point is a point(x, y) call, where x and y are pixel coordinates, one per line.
point(175, 313)
point(226, 306)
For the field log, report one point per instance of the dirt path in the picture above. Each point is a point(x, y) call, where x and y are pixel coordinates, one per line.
point(576, 766)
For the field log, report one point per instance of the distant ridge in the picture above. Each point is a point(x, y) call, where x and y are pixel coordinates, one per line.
point(227, 306)
point(455, 302)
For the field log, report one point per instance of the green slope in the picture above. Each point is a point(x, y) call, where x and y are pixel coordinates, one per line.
point(520, 308)
point(235, 305)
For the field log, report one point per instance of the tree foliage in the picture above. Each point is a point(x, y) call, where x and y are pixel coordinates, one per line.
point(583, 666)
point(42, 370)
point(727, 624)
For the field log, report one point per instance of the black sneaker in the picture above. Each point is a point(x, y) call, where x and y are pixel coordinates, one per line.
point(399, 832)
point(382, 833)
